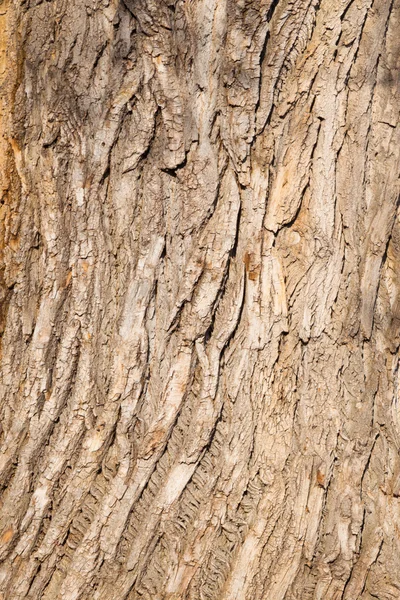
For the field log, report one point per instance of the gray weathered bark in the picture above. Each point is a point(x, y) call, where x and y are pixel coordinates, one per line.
point(200, 293)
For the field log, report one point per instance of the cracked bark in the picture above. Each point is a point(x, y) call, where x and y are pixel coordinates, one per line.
point(200, 318)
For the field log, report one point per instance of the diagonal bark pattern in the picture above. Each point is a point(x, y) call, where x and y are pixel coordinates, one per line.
point(200, 318)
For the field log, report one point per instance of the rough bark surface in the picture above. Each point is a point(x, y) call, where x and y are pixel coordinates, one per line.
point(200, 286)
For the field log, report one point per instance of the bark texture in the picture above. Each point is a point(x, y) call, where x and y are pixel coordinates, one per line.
point(200, 285)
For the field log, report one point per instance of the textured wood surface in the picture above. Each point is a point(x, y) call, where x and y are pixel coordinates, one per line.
point(200, 299)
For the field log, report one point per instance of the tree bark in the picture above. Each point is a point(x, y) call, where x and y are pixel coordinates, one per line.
point(200, 285)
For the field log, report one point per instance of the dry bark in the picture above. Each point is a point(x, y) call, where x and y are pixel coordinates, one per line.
point(200, 285)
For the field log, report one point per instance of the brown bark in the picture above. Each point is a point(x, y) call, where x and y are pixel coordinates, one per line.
point(200, 292)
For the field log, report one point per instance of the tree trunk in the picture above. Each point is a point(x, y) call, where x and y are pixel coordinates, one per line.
point(200, 284)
